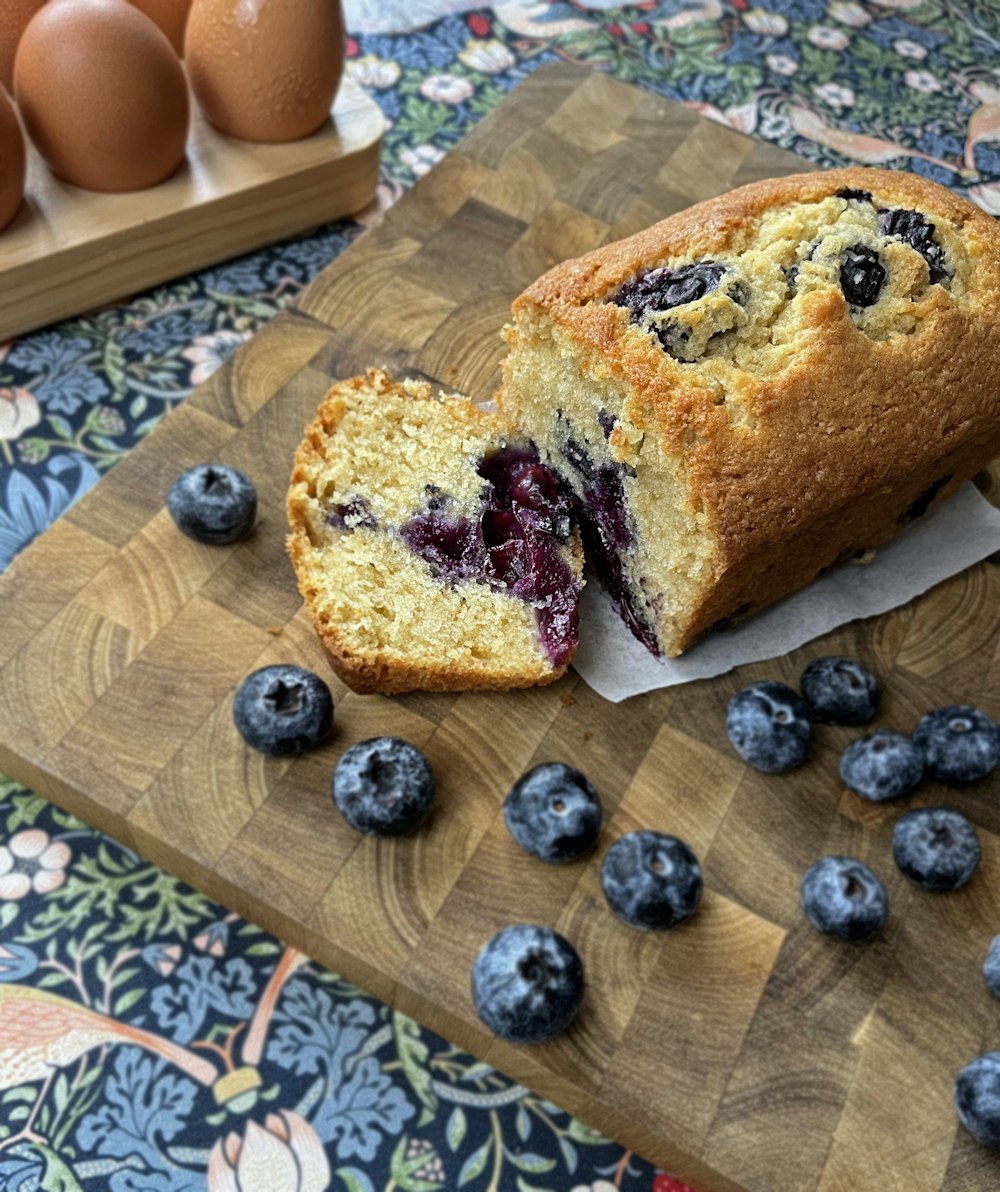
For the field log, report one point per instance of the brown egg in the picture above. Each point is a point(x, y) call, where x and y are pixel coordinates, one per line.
point(14, 16)
point(265, 70)
point(170, 15)
point(11, 161)
point(102, 94)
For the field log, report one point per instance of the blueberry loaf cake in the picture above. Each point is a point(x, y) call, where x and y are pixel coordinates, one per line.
point(432, 548)
point(762, 385)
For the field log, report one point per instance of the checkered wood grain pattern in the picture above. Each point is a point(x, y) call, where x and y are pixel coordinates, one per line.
point(742, 1050)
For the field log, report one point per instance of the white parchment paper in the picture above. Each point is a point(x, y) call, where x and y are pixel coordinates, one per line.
point(965, 529)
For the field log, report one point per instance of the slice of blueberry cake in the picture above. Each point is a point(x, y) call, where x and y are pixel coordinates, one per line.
point(432, 548)
point(762, 385)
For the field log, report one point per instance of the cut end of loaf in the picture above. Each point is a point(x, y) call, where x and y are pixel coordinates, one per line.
point(421, 570)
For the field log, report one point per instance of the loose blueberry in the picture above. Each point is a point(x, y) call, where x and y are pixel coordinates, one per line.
point(991, 967)
point(862, 275)
point(213, 503)
point(842, 898)
point(839, 690)
point(960, 744)
point(650, 880)
point(936, 847)
point(768, 725)
point(882, 765)
point(383, 787)
point(283, 710)
point(553, 812)
point(977, 1098)
point(527, 983)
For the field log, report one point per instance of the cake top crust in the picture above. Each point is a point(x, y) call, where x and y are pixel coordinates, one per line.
point(787, 344)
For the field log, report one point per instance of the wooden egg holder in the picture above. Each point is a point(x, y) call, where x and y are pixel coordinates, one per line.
point(69, 250)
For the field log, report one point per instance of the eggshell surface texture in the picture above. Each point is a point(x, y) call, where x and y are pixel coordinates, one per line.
point(265, 70)
point(11, 162)
point(14, 17)
point(170, 15)
point(102, 95)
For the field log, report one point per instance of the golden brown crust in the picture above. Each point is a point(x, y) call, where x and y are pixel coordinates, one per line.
point(386, 671)
point(853, 423)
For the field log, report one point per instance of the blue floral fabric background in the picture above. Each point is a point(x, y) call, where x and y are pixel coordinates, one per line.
point(151, 1041)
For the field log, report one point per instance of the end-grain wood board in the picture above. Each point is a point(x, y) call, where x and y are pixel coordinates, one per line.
point(68, 250)
point(741, 1050)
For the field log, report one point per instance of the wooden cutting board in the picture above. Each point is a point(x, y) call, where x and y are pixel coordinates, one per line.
point(742, 1050)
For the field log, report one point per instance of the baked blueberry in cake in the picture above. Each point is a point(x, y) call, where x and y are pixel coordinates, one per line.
point(431, 546)
point(760, 386)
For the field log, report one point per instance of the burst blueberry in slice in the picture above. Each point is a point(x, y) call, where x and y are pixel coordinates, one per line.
point(882, 765)
point(862, 275)
point(383, 786)
point(991, 967)
point(768, 725)
point(839, 690)
point(961, 744)
point(651, 880)
point(977, 1098)
point(283, 710)
point(553, 812)
point(843, 898)
point(936, 847)
point(213, 503)
point(527, 983)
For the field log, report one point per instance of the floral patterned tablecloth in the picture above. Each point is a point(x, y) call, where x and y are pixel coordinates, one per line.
point(149, 1040)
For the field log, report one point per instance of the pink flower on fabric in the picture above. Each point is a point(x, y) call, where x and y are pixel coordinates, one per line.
point(207, 352)
point(285, 1153)
point(19, 412)
point(31, 861)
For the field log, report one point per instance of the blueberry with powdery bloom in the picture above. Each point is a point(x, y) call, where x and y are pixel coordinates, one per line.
point(213, 504)
point(768, 725)
point(842, 898)
point(283, 710)
point(936, 847)
point(651, 881)
point(527, 983)
point(882, 765)
point(961, 744)
point(839, 690)
point(553, 812)
point(383, 786)
point(991, 967)
point(977, 1098)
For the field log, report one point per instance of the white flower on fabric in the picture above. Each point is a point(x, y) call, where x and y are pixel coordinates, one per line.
point(372, 71)
point(759, 20)
point(446, 88)
point(781, 64)
point(849, 13)
point(421, 158)
point(31, 861)
point(491, 57)
point(921, 80)
point(285, 1153)
point(909, 49)
point(827, 38)
point(596, 1186)
point(836, 95)
point(208, 352)
point(19, 411)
